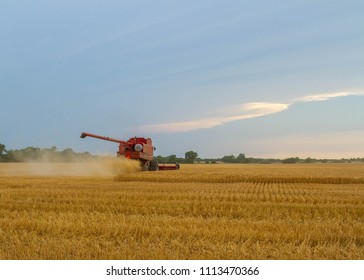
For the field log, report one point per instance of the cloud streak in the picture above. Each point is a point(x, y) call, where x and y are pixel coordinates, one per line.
point(326, 96)
point(247, 111)
point(240, 112)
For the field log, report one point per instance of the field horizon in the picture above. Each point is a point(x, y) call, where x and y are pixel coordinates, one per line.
point(203, 211)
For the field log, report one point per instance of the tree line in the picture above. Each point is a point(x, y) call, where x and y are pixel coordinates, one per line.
point(53, 155)
point(192, 157)
point(45, 154)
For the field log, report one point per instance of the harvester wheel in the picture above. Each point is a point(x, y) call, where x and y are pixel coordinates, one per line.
point(145, 165)
point(153, 166)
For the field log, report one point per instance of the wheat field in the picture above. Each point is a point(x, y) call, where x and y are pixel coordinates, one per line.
point(211, 211)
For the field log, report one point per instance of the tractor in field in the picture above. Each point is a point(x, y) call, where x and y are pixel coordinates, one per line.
point(137, 148)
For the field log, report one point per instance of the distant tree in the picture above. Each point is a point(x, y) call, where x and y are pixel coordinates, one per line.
point(228, 159)
point(308, 160)
point(190, 156)
point(291, 160)
point(172, 158)
point(2, 149)
point(49, 154)
point(68, 155)
point(26, 154)
point(241, 158)
point(3, 156)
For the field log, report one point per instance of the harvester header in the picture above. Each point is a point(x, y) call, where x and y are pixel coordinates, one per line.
point(137, 148)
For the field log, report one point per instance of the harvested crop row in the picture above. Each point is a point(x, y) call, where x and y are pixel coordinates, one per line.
point(101, 218)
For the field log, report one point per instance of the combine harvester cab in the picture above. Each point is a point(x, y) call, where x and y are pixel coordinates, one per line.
point(137, 148)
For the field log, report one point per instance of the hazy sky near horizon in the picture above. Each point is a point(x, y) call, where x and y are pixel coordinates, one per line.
point(220, 77)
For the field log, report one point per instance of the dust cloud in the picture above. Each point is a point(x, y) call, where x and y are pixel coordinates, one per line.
point(105, 166)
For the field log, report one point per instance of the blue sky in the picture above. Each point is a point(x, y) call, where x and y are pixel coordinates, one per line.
point(264, 78)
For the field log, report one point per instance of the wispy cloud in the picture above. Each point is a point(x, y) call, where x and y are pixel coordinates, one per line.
point(326, 96)
point(247, 111)
point(240, 112)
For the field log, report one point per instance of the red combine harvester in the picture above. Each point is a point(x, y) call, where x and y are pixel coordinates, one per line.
point(137, 148)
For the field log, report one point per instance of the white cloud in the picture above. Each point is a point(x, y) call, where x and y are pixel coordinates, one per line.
point(246, 111)
point(239, 112)
point(326, 96)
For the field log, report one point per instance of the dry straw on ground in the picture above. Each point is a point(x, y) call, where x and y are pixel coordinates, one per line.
point(313, 211)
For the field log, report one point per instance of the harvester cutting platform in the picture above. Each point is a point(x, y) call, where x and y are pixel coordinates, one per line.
point(137, 148)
